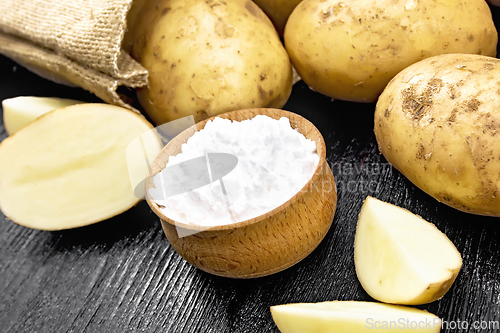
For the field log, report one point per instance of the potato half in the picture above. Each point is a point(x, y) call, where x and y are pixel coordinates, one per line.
point(68, 168)
point(438, 123)
point(352, 317)
point(20, 111)
point(207, 57)
point(401, 258)
point(278, 11)
point(351, 49)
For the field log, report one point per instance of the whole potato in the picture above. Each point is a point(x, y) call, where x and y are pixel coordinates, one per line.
point(351, 49)
point(278, 11)
point(438, 123)
point(494, 2)
point(207, 57)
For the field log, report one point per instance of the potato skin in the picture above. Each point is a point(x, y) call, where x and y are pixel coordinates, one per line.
point(278, 11)
point(494, 2)
point(438, 123)
point(350, 50)
point(208, 57)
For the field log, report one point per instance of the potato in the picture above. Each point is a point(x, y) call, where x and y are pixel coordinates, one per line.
point(20, 111)
point(494, 2)
point(352, 317)
point(278, 11)
point(68, 168)
point(351, 49)
point(208, 57)
point(438, 123)
point(400, 258)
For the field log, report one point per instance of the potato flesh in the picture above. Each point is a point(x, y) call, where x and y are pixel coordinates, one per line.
point(205, 58)
point(438, 121)
point(20, 111)
point(349, 317)
point(68, 168)
point(401, 258)
point(350, 50)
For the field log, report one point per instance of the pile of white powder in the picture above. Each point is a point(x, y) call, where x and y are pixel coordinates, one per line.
point(274, 163)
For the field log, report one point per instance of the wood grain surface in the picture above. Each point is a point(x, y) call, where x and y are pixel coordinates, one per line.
point(122, 275)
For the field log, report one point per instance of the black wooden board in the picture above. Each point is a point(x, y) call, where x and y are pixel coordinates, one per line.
point(121, 275)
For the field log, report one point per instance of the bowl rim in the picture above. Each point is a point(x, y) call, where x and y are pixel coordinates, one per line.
point(320, 150)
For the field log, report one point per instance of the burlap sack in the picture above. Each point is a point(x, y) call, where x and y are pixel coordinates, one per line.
point(72, 41)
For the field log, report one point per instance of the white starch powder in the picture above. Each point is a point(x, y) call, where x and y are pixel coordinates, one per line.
point(274, 163)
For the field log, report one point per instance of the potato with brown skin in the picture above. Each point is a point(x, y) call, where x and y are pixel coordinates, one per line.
point(350, 50)
point(278, 11)
point(438, 123)
point(207, 57)
point(494, 2)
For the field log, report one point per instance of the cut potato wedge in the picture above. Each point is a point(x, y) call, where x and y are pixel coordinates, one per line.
point(68, 168)
point(400, 258)
point(20, 111)
point(352, 317)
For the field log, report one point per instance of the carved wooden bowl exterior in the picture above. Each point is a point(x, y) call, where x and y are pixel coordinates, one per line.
point(265, 244)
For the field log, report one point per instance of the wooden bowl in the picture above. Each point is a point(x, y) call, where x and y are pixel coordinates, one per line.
point(265, 244)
